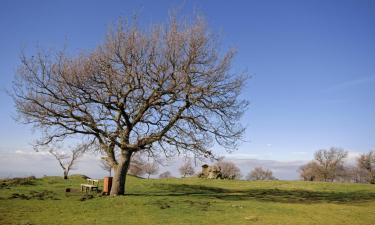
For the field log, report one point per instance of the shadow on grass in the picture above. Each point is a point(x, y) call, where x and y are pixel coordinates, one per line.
point(272, 195)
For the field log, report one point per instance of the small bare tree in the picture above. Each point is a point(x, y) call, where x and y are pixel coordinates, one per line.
point(359, 175)
point(347, 173)
point(66, 160)
point(258, 173)
point(228, 170)
point(136, 167)
point(105, 165)
point(330, 163)
point(166, 90)
point(309, 171)
point(187, 168)
point(366, 165)
point(151, 168)
point(165, 174)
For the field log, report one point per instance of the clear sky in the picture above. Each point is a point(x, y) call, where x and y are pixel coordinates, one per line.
point(312, 64)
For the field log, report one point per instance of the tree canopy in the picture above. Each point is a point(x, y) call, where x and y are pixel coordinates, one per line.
point(168, 89)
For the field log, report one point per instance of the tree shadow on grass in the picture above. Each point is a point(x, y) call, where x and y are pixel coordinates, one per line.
point(271, 195)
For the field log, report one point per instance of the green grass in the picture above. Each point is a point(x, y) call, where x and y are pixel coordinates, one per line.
point(189, 201)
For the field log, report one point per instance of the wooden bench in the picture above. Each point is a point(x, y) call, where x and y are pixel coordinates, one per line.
point(90, 186)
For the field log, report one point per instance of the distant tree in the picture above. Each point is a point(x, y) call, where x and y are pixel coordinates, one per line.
point(228, 170)
point(67, 161)
point(165, 174)
point(354, 174)
point(258, 173)
point(136, 167)
point(359, 175)
point(105, 165)
point(366, 166)
point(309, 171)
point(187, 169)
point(330, 163)
point(150, 168)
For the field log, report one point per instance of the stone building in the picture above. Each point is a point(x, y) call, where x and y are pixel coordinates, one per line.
point(210, 172)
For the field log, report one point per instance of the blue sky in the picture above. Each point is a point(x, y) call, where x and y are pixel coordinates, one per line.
point(312, 64)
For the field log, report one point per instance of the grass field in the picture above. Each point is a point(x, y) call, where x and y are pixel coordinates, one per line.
point(188, 201)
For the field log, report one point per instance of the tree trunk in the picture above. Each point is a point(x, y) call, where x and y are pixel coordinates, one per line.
point(119, 177)
point(65, 175)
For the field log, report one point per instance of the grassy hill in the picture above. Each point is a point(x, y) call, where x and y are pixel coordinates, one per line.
point(187, 201)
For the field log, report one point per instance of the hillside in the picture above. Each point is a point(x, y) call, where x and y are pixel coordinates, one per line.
point(188, 201)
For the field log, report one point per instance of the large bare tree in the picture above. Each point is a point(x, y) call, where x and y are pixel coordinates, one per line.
point(167, 89)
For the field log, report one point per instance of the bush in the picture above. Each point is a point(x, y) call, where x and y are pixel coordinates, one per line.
point(259, 173)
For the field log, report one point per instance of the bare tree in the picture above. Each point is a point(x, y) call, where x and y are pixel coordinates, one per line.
point(330, 163)
point(366, 166)
point(165, 174)
point(136, 167)
point(359, 175)
point(66, 160)
point(150, 168)
point(258, 173)
point(348, 173)
point(187, 168)
point(105, 165)
point(169, 89)
point(309, 171)
point(228, 170)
